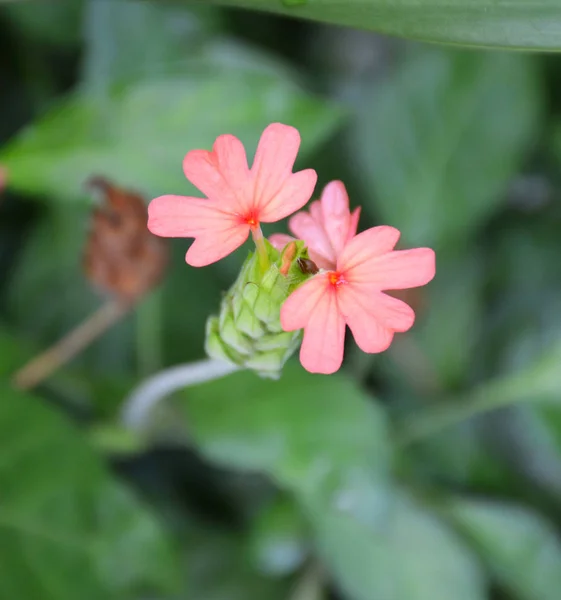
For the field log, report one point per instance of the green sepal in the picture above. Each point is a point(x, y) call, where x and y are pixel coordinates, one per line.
point(248, 331)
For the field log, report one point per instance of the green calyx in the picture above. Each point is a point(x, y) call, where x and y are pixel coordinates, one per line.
point(248, 332)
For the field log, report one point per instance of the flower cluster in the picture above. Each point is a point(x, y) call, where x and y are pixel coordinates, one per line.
point(335, 278)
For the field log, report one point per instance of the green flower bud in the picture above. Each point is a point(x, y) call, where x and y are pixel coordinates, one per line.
point(248, 332)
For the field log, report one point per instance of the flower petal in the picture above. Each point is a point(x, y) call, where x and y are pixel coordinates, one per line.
point(298, 307)
point(336, 214)
point(208, 249)
point(316, 212)
point(183, 216)
point(365, 246)
point(398, 270)
point(280, 240)
point(218, 233)
point(313, 306)
point(373, 317)
point(273, 161)
point(293, 194)
point(305, 227)
point(222, 175)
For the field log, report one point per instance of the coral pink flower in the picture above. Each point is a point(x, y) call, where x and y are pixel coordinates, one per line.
point(352, 294)
point(238, 198)
point(326, 228)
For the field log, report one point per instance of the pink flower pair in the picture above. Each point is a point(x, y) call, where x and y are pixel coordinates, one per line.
point(354, 269)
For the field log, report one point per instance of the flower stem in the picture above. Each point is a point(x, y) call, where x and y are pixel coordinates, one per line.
point(138, 406)
point(261, 248)
point(70, 345)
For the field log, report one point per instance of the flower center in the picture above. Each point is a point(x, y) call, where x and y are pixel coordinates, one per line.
point(252, 220)
point(336, 279)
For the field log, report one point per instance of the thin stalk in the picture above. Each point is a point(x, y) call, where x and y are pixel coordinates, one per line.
point(139, 405)
point(40, 367)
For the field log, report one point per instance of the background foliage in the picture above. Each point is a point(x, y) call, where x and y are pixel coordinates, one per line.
point(431, 472)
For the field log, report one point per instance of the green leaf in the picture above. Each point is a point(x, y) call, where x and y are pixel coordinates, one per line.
point(132, 40)
point(219, 567)
point(67, 529)
point(139, 134)
point(440, 139)
point(322, 440)
point(51, 21)
point(319, 437)
point(519, 547)
point(519, 24)
point(414, 556)
point(453, 298)
point(538, 382)
point(278, 541)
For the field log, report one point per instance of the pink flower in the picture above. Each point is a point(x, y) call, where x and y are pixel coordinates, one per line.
point(352, 294)
point(326, 228)
point(238, 198)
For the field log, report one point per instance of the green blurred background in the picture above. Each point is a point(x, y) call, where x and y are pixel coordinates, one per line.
point(430, 472)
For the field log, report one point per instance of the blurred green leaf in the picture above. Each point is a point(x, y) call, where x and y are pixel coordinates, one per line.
point(454, 298)
point(139, 134)
point(520, 548)
point(69, 530)
point(439, 140)
point(533, 441)
point(133, 39)
point(524, 320)
point(278, 541)
point(219, 567)
point(520, 24)
point(52, 21)
point(538, 382)
point(319, 437)
point(413, 556)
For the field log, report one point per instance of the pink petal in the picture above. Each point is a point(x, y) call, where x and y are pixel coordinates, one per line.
point(336, 214)
point(367, 245)
point(373, 317)
point(313, 306)
point(274, 160)
point(208, 249)
point(218, 233)
point(316, 212)
point(397, 270)
point(222, 175)
point(298, 307)
point(306, 228)
point(293, 194)
point(280, 240)
point(353, 225)
point(183, 216)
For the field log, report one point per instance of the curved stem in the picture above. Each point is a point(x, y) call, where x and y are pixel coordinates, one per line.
point(70, 345)
point(138, 406)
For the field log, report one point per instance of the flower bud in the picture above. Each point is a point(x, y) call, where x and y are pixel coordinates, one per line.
point(247, 332)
